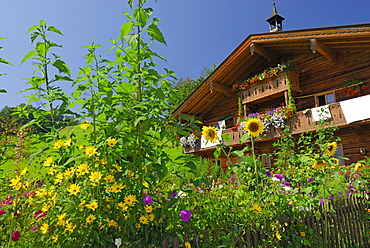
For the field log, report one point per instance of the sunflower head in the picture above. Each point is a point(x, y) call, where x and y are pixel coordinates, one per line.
point(210, 134)
point(254, 127)
point(359, 167)
point(319, 164)
point(331, 148)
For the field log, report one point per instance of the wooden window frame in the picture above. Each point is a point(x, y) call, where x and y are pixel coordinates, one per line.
point(317, 104)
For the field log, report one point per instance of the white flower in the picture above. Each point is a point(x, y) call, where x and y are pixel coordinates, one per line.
point(287, 188)
point(301, 208)
point(118, 242)
point(275, 179)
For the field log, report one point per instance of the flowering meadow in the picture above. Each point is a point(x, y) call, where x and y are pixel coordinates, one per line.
point(109, 182)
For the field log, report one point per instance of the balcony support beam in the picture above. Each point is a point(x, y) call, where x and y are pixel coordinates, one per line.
point(324, 50)
point(264, 52)
point(222, 88)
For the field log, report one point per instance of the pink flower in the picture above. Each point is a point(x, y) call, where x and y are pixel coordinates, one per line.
point(34, 227)
point(16, 236)
point(2, 212)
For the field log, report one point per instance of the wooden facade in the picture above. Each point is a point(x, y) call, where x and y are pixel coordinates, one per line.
point(325, 58)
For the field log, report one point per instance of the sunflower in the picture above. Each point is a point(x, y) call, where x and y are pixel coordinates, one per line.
point(331, 148)
point(210, 134)
point(335, 161)
point(359, 167)
point(319, 164)
point(254, 127)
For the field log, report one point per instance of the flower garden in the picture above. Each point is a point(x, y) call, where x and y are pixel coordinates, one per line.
point(109, 181)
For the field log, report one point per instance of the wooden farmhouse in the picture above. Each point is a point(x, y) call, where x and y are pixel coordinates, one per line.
point(323, 72)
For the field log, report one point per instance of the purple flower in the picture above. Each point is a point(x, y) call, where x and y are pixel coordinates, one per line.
point(268, 174)
point(340, 196)
point(331, 197)
point(185, 215)
point(309, 179)
point(147, 200)
point(173, 195)
point(278, 176)
point(16, 235)
point(34, 227)
point(286, 183)
point(40, 183)
point(322, 201)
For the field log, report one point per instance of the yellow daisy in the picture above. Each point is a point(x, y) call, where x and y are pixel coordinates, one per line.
point(92, 206)
point(254, 127)
point(48, 161)
point(359, 167)
point(95, 176)
point(73, 189)
point(58, 144)
point(130, 200)
point(83, 169)
point(210, 134)
point(319, 164)
point(44, 228)
point(90, 218)
point(187, 244)
point(144, 220)
point(91, 150)
point(111, 142)
point(257, 209)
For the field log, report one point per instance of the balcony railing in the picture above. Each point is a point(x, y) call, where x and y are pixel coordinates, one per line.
point(303, 121)
point(270, 87)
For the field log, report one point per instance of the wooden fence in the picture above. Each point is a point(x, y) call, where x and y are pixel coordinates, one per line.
point(343, 226)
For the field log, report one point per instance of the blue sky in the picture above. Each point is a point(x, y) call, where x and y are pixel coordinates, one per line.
point(199, 33)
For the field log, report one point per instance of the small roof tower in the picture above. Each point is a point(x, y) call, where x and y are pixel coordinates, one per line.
point(275, 21)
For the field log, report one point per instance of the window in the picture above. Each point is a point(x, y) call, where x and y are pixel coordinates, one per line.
point(266, 162)
point(325, 99)
point(339, 152)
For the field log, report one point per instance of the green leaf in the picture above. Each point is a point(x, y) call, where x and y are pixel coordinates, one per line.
point(244, 138)
point(156, 34)
point(3, 91)
point(131, 3)
point(126, 28)
point(29, 55)
point(191, 165)
point(54, 29)
point(225, 137)
point(238, 153)
point(62, 78)
point(217, 153)
point(141, 16)
point(62, 67)
point(32, 28)
point(5, 62)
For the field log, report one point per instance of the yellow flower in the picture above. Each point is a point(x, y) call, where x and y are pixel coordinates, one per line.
point(130, 173)
point(257, 209)
point(144, 220)
point(48, 161)
point(278, 236)
point(303, 234)
point(117, 188)
point(137, 225)
point(69, 172)
point(85, 125)
point(359, 167)
point(109, 179)
point(41, 193)
point(69, 228)
point(119, 168)
point(83, 169)
point(92, 206)
point(16, 183)
point(210, 134)
point(111, 142)
point(148, 208)
point(146, 184)
point(73, 189)
point(335, 161)
point(187, 244)
point(90, 218)
point(112, 223)
point(82, 146)
point(95, 176)
point(58, 178)
point(130, 200)
point(52, 171)
point(91, 150)
point(254, 127)
point(44, 228)
point(58, 144)
point(61, 219)
point(151, 216)
point(55, 238)
point(82, 204)
point(67, 142)
point(24, 171)
point(319, 164)
point(122, 206)
point(331, 148)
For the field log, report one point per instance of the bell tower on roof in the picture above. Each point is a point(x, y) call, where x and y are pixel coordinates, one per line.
point(275, 20)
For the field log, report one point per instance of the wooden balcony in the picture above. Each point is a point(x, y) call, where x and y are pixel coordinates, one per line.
point(270, 88)
point(301, 122)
